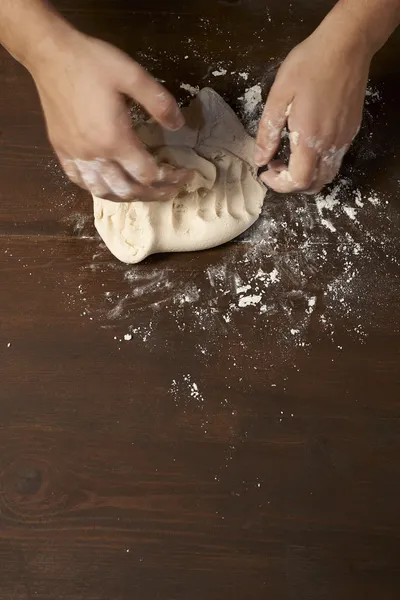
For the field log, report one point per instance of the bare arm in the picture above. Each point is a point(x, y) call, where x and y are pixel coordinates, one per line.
point(29, 28)
point(375, 19)
point(81, 83)
point(319, 92)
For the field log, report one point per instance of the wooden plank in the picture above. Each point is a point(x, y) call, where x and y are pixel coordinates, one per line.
point(158, 437)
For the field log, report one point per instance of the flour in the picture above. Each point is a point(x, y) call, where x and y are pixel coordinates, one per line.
point(252, 99)
point(192, 89)
point(185, 389)
point(251, 108)
point(311, 270)
point(249, 301)
point(351, 212)
point(219, 73)
point(224, 198)
point(303, 260)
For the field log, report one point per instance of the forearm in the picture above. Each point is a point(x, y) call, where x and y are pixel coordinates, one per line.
point(367, 22)
point(30, 29)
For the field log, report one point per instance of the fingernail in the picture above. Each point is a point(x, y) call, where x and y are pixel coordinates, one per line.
point(176, 123)
point(259, 156)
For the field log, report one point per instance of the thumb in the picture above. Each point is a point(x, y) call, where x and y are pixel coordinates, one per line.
point(155, 99)
point(272, 122)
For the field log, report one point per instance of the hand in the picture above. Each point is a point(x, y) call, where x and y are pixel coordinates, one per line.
point(81, 90)
point(319, 92)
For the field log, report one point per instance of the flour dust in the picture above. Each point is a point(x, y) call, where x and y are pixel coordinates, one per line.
point(310, 267)
point(305, 261)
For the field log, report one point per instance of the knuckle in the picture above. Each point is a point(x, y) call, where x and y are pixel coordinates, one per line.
point(123, 190)
point(145, 172)
point(98, 190)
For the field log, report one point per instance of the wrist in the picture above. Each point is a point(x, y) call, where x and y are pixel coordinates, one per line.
point(42, 38)
point(48, 45)
point(363, 26)
point(342, 36)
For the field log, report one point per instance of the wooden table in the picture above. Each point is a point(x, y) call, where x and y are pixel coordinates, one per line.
point(159, 438)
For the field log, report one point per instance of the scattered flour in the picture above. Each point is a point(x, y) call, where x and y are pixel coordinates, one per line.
point(251, 108)
point(311, 269)
point(304, 260)
point(193, 90)
point(219, 73)
point(252, 98)
point(351, 212)
point(184, 387)
point(249, 301)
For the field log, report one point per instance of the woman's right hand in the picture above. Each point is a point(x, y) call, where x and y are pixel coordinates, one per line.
point(81, 86)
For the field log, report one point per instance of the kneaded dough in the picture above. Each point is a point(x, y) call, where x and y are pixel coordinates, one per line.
point(224, 198)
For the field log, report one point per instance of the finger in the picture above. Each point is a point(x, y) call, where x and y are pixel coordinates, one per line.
point(158, 102)
point(142, 168)
point(272, 122)
point(124, 189)
point(121, 187)
point(279, 181)
point(300, 174)
point(120, 184)
point(142, 193)
point(163, 193)
point(90, 172)
point(136, 161)
point(169, 175)
point(327, 171)
point(71, 170)
point(303, 164)
point(333, 157)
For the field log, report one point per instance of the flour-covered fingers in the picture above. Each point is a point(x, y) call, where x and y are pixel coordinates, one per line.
point(91, 174)
point(141, 193)
point(171, 176)
point(328, 167)
point(109, 180)
point(71, 170)
point(279, 181)
point(129, 152)
point(143, 168)
point(300, 173)
point(121, 186)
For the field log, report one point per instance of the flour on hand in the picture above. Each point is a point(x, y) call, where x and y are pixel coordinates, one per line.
point(223, 199)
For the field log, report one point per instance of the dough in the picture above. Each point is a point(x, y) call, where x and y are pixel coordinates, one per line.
point(224, 198)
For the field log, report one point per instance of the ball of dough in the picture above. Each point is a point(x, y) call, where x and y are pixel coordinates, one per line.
point(223, 199)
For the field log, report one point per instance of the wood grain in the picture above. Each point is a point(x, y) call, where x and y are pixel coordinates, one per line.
point(281, 478)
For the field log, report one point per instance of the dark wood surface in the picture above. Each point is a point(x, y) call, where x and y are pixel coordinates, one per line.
point(216, 454)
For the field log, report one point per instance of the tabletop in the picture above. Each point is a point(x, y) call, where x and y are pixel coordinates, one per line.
point(213, 424)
